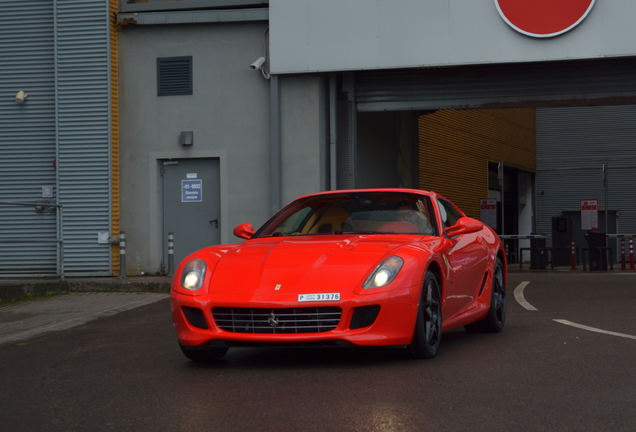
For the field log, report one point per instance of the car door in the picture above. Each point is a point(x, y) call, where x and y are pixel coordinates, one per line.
point(467, 258)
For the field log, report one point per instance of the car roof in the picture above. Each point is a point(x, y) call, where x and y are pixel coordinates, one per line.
point(389, 190)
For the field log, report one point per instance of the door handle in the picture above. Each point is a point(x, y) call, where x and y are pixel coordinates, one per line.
point(215, 222)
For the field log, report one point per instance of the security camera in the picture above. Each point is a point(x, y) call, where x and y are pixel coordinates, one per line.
point(20, 97)
point(258, 64)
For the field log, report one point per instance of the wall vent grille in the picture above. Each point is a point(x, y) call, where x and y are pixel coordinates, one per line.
point(174, 76)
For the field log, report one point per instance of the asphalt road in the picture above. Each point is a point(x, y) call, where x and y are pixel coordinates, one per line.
point(126, 373)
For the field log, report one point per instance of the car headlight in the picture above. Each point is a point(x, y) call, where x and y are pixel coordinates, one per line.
point(384, 273)
point(193, 274)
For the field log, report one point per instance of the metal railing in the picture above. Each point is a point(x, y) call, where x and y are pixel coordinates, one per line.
point(43, 206)
point(517, 254)
point(543, 255)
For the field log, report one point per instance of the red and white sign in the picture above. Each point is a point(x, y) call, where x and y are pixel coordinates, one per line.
point(544, 18)
point(589, 215)
point(488, 212)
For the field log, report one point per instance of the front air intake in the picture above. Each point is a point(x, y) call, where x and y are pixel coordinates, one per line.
point(364, 316)
point(195, 317)
point(275, 321)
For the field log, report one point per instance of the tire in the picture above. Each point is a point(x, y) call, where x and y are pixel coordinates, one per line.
point(203, 354)
point(496, 319)
point(428, 326)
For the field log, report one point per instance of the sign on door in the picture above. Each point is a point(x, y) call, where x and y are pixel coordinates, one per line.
point(192, 190)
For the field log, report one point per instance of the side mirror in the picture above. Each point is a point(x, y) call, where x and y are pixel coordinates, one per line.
point(244, 231)
point(464, 225)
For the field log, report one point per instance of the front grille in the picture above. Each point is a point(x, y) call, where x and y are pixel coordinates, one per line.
point(277, 321)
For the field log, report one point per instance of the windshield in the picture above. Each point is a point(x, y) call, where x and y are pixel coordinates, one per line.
point(342, 213)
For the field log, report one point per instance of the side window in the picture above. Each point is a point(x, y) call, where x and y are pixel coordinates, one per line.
point(426, 208)
point(448, 213)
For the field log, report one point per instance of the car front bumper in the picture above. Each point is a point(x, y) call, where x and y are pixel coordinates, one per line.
point(384, 319)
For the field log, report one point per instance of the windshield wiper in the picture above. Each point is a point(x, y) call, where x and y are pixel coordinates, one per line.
point(276, 234)
point(355, 232)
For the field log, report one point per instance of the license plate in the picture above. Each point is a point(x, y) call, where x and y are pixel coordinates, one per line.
point(318, 297)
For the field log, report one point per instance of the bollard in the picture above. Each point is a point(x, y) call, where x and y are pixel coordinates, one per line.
point(122, 255)
point(631, 253)
point(170, 253)
point(573, 255)
point(622, 254)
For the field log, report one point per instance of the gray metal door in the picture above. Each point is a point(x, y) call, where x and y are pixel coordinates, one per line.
point(191, 205)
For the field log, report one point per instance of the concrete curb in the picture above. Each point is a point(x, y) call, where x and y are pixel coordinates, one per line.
point(11, 291)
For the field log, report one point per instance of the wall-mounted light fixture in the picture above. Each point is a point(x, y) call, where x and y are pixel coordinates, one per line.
point(20, 97)
point(186, 138)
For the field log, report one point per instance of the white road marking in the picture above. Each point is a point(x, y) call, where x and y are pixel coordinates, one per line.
point(521, 299)
point(592, 329)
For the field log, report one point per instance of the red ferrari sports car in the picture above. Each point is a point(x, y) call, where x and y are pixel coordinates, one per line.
point(383, 267)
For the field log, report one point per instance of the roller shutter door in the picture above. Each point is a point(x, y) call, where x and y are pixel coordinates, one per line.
point(584, 82)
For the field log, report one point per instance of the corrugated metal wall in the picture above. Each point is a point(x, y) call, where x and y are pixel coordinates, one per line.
point(83, 122)
point(27, 136)
point(456, 146)
point(572, 146)
point(58, 53)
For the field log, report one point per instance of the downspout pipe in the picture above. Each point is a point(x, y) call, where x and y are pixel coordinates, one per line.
point(333, 134)
point(606, 187)
point(275, 146)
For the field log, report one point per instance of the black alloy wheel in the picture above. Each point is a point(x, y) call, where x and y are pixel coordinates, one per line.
point(428, 327)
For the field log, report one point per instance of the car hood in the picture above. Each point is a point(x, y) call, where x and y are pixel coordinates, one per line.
point(308, 264)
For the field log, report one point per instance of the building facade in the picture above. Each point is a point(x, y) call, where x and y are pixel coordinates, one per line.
point(186, 118)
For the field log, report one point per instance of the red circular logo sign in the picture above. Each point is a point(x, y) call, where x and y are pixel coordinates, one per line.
point(544, 18)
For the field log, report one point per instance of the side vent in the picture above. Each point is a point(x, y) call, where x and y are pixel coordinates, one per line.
point(483, 284)
point(174, 76)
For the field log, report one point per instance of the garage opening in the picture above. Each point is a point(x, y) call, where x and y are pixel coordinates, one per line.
point(561, 131)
